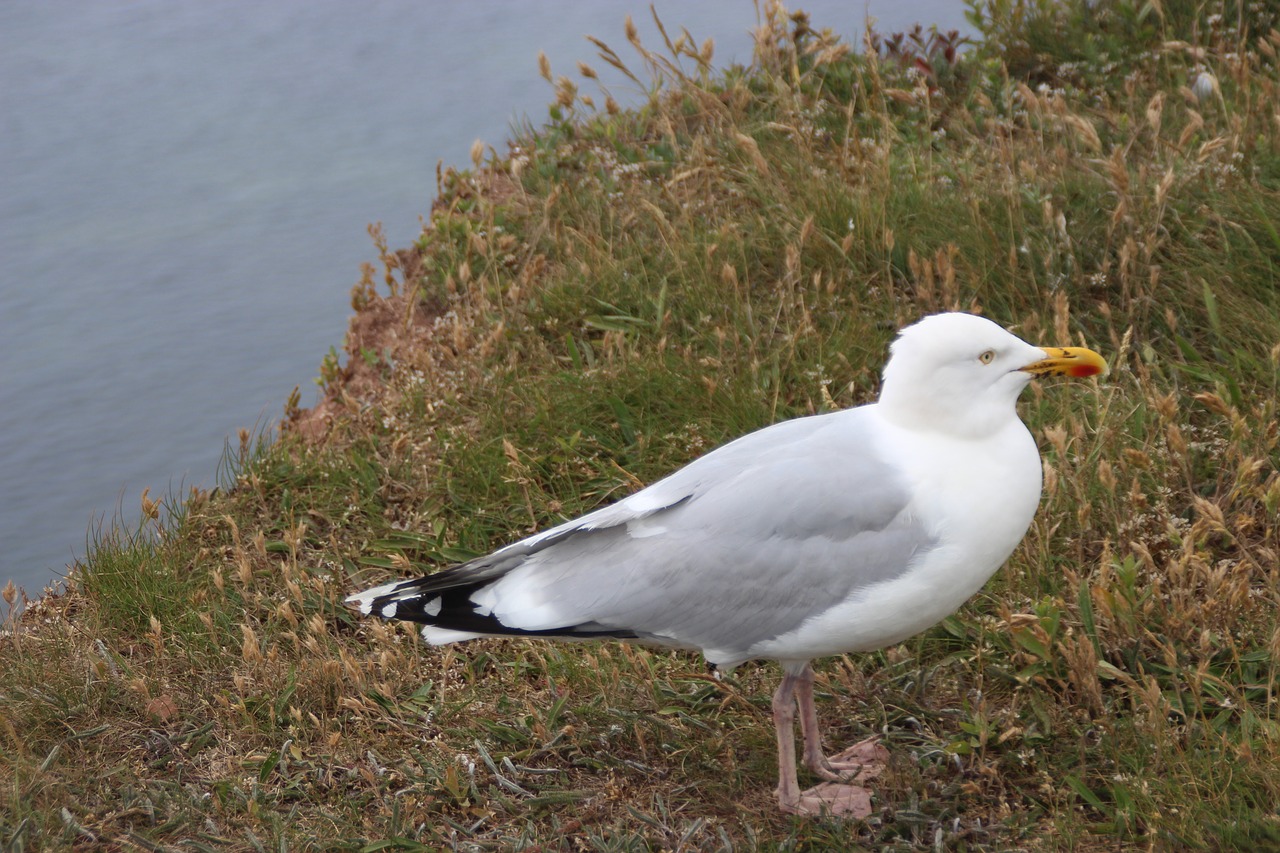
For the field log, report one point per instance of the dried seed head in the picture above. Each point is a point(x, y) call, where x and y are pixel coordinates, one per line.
point(1137, 458)
point(753, 151)
point(1155, 108)
point(1211, 512)
point(544, 66)
point(1195, 121)
point(1084, 131)
point(792, 262)
point(806, 230)
point(150, 508)
point(729, 275)
point(1056, 435)
point(1062, 317)
point(1050, 479)
point(1167, 405)
point(1106, 476)
point(249, 650)
point(1215, 404)
point(566, 91)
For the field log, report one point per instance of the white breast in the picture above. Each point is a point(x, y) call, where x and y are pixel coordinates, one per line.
point(977, 499)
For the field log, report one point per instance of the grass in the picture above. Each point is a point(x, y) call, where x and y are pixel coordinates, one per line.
point(625, 290)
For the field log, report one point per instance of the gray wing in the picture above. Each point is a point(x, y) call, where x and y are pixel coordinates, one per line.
point(740, 546)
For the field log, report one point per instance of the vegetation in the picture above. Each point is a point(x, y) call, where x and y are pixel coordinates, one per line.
point(628, 288)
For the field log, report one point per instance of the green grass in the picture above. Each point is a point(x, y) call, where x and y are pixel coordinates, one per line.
point(630, 289)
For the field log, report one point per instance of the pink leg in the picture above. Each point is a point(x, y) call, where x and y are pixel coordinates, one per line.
point(784, 717)
point(831, 797)
point(851, 762)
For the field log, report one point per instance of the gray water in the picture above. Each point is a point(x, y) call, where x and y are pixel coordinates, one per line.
point(184, 190)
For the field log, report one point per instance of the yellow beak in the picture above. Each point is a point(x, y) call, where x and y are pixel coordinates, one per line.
point(1068, 361)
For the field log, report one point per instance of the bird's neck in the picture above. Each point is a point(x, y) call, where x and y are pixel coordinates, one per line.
point(943, 414)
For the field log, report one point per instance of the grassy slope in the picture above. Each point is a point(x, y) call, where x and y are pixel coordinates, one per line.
point(628, 290)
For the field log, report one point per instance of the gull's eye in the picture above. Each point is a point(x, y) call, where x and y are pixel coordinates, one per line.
point(987, 357)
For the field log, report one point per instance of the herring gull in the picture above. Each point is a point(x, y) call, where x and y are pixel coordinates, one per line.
point(841, 532)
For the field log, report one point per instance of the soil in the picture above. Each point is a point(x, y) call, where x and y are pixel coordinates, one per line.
point(392, 328)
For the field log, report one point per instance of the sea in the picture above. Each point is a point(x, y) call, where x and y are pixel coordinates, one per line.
point(185, 190)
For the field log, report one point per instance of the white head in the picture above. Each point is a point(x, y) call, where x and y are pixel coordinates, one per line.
point(962, 374)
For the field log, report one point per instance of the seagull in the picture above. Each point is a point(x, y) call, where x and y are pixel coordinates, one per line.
point(840, 532)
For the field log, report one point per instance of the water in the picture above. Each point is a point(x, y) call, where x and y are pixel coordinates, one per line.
point(184, 190)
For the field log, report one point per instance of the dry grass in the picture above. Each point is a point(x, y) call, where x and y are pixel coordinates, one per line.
point(627, 289)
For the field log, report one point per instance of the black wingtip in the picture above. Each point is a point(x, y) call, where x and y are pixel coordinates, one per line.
point(422, 600)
